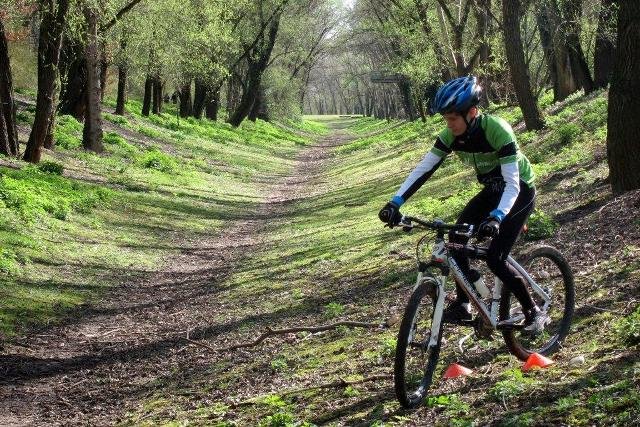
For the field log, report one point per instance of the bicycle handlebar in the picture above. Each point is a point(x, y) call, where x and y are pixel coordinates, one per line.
point(461, 229)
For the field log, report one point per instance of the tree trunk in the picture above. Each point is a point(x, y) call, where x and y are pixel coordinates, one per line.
point(148, 94)
point(579, 66)
point(74, 79)
point(259, 110)
point(52, 24)
point(186, 107)
point(604, 54)
point(92, 132)
point(213, 105)
point(623, 145)
point(9, 132)
point(199, 98)
point(104, 70)
point(511, 12)
point(4, 139)
point(122, 90)
point(407, 101)
point(156, 104)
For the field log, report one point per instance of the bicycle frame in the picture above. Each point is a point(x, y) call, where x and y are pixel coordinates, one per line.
point(440, 257)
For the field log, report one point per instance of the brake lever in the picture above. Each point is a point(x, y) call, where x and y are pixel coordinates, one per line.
point(406, 225)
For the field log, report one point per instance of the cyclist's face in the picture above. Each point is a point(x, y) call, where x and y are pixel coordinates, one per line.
point(456, 123)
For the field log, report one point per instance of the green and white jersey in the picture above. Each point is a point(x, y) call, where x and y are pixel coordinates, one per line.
point(490, 148)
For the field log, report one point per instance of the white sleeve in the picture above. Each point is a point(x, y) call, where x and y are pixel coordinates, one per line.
point(511, 176)
point(419, 175)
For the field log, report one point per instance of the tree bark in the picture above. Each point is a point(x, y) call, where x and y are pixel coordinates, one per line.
point(92, 132)
point(122, 89)
point(511, 12)
point(199, 98)
point(604, 53)
point(9, 132)
point(259, 110)
point(186, 107)
point(623, 145)
point(104, 70)
point(148, 94)
point(52, 24)
point(156, 104)
point(213, 105)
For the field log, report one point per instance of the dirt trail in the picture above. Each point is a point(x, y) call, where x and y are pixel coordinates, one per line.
point(105, 358)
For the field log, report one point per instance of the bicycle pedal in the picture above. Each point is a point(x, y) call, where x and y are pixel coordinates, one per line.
point(506, 326)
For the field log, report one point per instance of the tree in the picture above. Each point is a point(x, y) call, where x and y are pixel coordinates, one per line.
point(92, 132)
point(54, 15)
point(511, 13)
point(8, 131)
point(623, 145)
point(258, 54)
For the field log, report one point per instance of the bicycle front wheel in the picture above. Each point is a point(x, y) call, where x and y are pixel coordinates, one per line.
point(415, 359)
point(549, 269)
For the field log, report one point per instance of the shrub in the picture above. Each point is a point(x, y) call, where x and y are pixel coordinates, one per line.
point(147, 131)
point(333, 309)
point(119, 120)
point(567, 133)
point(67, 132)
point(628, 328)
point(8, 261)
point(53, 168)
point(24, 118)
point(540, 226)
point(69, 142)
point(156, 159)
point(113, 138)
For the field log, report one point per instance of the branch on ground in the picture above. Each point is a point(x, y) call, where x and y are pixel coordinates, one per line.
point(273, 332)
point(340, 383)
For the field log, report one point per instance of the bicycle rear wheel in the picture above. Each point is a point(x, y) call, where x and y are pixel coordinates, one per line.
point(415, 360)
point(549, 269)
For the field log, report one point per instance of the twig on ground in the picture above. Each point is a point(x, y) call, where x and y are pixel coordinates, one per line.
point(340, 383)
point(271, 332)
point(606, 310)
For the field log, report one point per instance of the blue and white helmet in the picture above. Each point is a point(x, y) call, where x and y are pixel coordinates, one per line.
point(457, 96)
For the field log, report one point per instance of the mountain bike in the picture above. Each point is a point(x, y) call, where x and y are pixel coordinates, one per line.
point(549, 280)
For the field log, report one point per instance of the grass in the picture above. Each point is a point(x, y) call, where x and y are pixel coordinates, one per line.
point(52, 219)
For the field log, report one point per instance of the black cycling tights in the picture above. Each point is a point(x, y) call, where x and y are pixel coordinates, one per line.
point(476, 211)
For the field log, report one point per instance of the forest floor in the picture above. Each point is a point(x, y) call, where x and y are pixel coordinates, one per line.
point(139, 356)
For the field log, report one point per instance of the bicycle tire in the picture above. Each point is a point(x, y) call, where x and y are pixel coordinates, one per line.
point(541, 263)
point(409, 391)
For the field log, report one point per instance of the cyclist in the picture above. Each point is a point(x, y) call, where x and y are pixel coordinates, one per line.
point(500, 210)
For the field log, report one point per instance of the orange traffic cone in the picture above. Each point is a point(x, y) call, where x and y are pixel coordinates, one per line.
point(536, 360)
point(454, 370)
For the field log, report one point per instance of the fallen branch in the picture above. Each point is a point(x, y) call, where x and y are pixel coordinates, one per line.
point(606, 310)
point(340, 383)
point(272, 332)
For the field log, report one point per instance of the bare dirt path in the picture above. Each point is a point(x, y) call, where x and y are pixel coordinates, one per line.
point(107, 357)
